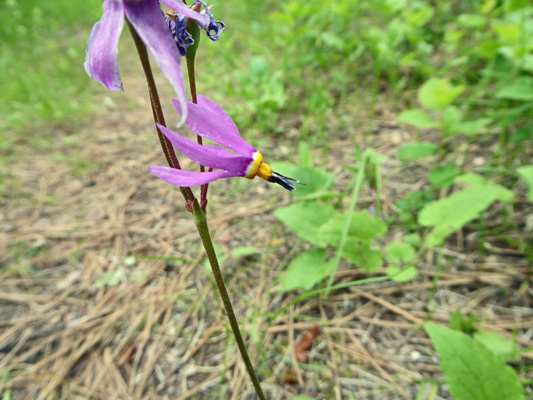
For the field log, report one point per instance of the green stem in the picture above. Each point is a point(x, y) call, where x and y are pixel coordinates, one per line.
point(157, 110)
point(344, 237)
point(190, 57)
point(194, 97)
point(199, 217)
point(192, 80)
point(201, 224)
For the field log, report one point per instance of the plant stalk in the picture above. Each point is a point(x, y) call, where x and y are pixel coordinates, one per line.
point(157, 110)
point(200, 221)
point(190, 57)
point(199, 216)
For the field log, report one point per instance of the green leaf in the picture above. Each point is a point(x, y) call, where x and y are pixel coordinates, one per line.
point(304, 155)
point(463, 206)
point(413, 151)
point(527, 174)
point(360, 253)
point(471, 21)
point(473, 372)
point(471, 179)
point(315, 180)
point(443, 175)
point(413, 239)
point(520, 89)
point(305, 219)
point(363, 226)
point(406, 274)
point(417, 117)
point(453, 212)
point(398, 252)
point(499, 345)
point(462, 323)
point(302, 397)
point(437, 93)
point(525, 133)
point(306, 270)
point(438, 235)
point(451, 117)
point(471, 127)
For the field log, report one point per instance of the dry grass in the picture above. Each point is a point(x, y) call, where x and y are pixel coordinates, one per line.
point(158, 332)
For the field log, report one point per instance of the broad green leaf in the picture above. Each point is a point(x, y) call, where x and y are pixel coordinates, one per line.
point(302, 397)
point(437, 93)
point(306, 270)
point(473, 372)
point(304, 155)
point(360, 253)
point(513, 5)
point(489, 48)
point(488, 6)
point(471, 21)
point(462, 207)
point(314, 180)
point(525, 133)
point(406, 274)
point(499, 345)
point(519, 89)
point(527, 174)
point(398, 252)
point(526, 62)
point(413, 239)
point(305, 219)
point(421, 15)
point(451, 117)
point(508, 32)
point(471, 127)
point(437, 236)
point(471, 179)
point(443, 175)
point(412, 151)
point(363, 226)
point(417, 117)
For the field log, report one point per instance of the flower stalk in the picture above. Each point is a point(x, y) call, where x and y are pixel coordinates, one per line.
point(198, 211)
point(200, 221)
point(157, 110)
point(190, 57)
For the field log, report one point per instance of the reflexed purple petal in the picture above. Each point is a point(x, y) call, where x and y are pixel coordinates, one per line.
point(208, 156)
point(183, 178)
point(149, 22)
point(178, 6)
point(210, 121)
point(101, 62)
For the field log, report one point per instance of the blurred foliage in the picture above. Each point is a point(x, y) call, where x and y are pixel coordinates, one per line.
point(43, 48)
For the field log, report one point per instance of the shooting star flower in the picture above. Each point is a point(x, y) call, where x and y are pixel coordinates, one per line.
point(208, 120)
point(148, 20)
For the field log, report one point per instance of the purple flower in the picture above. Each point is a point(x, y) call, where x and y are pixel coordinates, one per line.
point(177, 24)
point(209, 120)
point(147, 18)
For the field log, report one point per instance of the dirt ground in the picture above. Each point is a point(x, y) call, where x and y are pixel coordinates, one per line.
point(105, 293)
